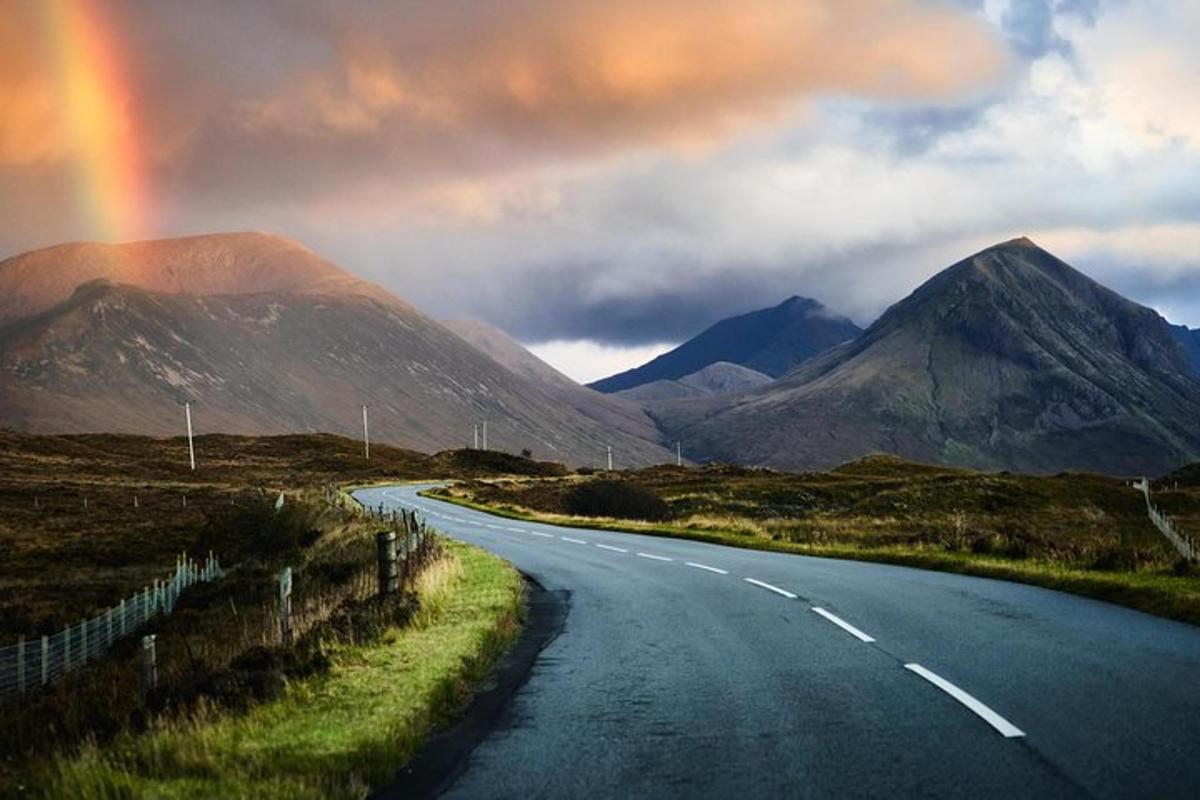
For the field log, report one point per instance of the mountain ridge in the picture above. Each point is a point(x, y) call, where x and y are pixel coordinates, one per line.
point(770, 340)
point(1009, 359)
point(246, 262)
point(301, 356)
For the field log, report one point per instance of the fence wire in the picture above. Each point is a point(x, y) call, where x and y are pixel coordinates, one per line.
point(37, 662)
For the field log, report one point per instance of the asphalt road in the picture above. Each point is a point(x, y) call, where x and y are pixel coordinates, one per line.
point(696, 670)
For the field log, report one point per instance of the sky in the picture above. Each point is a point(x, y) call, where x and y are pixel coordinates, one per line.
point(603, 180)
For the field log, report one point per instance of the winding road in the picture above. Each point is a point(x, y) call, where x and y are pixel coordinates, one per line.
point(694, 670)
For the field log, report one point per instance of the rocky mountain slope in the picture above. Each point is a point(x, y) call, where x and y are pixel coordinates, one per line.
point(771, 341)
point(1010, 359)
point(265, 337)
point(719, 378)
point(611, 411)
point(1190, 339)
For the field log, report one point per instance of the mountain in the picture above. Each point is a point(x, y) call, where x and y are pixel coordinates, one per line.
point(1190, 339)
point(1010, 359)
point(231, 263)
point(265, 337)
point(771, 341)
point(719, 378)
point(609, 410)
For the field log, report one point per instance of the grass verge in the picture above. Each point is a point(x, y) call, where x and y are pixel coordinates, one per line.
point(335, 736)
point(1158, 592)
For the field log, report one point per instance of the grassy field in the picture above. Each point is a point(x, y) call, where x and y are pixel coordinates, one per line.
point(335, 736)
point(1082, 533)
point(68, 515)
point(65, 559)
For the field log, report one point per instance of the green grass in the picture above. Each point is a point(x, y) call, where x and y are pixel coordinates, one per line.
point(335, 736)
point(1156, 592)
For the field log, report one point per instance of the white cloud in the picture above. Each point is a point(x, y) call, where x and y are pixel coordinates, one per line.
point(587, 361)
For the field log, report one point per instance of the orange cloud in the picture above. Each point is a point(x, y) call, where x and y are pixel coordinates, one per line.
point(31, 130)
point(570, 72)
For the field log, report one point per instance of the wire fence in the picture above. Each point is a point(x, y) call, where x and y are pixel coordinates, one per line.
point(1184, 544)
point(37, 662)
point(405, 547)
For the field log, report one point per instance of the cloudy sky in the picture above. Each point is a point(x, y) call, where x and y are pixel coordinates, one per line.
point(602, 179)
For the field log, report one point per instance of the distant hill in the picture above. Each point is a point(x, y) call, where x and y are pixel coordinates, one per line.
point(1010, 359)
point(611, 411)
point(1190, 339)
point(770, 341)
point(265, 337)
point(719, 378)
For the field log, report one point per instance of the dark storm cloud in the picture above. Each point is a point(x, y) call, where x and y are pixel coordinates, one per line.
point(672, 314)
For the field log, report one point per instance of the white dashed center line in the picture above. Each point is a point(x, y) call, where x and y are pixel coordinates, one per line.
point(706, 567)
point(654, 557)
point(1006, 728)
point(515, 530)
point(538, 533)
point(572, 541)
point(610, 547)
point(770, 588)
point(846, 626)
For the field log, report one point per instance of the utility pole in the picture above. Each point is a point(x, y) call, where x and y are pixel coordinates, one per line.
point(610, 458)
point(485, 434)
point(475, 433)
point(187, 410)
point(679, 454)
point(366, 434)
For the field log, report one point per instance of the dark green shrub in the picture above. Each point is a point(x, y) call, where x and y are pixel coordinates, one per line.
point(1117, 559)
point(615, 499)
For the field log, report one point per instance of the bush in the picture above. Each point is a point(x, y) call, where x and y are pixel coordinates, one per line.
point(615, 499)
point(259, 530)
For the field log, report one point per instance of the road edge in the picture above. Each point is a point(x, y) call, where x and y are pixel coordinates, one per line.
point(444, 757)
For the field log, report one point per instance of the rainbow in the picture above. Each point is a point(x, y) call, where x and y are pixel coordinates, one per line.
point(100, 122)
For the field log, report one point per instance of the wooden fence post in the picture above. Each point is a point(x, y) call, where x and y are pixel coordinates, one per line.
point(385, 546)
point(285, 606)
point(149, 666)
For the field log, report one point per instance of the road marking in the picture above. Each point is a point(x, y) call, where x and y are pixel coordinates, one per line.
point(572, 541)
point(493, 527)
point(1006, 728)
point(654, 557)
point(846, 626)
point(515, 530)
point(706, 567)
point(610, 547)
point(538, 533)
point(771, 588)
